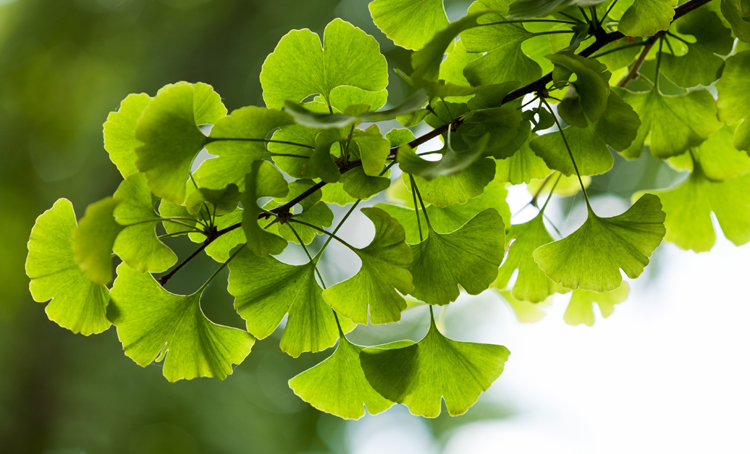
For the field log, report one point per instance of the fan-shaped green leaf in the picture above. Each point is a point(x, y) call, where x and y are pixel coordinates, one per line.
point(589, 151)
point(171, 139)
point(93, 240)
point(300, 66)
point(719, 160)
point(532, 283)
point(266, 289)
point(701, 65)
point(673, 123)
point(409, 23)
point(525, 311)
point(580, 308)
point(734, 98)
point(588, 94)
point(385, 269)
point(78, 303)
point(418, 375)
point(338, 385)
point(450, 218)
point(501, 57)
point(218, 201)
point(262, 181)
point(444, 191)
point(689, 205)
point(238, 140)
point(645, 18)
point(591, 257)
point(154, 324)
point(137, 244)
point(119, 133)
point(469, 257)
point(738, 17)
point(522, 167)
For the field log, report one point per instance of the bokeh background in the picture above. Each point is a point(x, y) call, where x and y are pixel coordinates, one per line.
point(667, 372)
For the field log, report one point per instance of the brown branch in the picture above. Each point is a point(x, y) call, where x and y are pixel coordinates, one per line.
point(539, 85)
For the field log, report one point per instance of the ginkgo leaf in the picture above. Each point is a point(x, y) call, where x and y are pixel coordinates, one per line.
point(452, 67)
point(385, 269)
point(522, 167)
point(300, 66)
point(77, 303)
point(154, 325)
point(500, 124)
point(137, 244)
point(218, 201)
point(689, 205)
point(737, 16)
point(409, 23)
point(266, 289)
point(592, 256)
point(419, 374)
point(330, 120)
point(426, 61)
point(119, 133)
point(373, 149)
point(450, 218)
point(619, 124)
point(523, 9)
point(718, 158)
point(238, 140)
point(645, 18)
point(444, 191)
point(93, 240)
point(580, 308)
point(358, 185)
point(701, 65)
point(263, 180)
point(451, 163)
point(338, 385)
point(673, 123)
point(734, 101)
point(501, 57)
point(532, 284)
point(322, 163)
point(525, 311)
point(168, 130)
point(469, 257)
point(589, 151)
point(296, 134)
point(588, 94)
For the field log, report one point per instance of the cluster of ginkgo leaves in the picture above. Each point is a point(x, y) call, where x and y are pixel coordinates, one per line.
point(479, 85)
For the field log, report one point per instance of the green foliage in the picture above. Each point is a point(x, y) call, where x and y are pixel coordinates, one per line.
point(78, 303)
point(275, 171)
point(155, 325)
point(419, 374)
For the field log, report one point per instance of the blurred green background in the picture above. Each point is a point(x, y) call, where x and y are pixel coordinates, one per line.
point(64, 65)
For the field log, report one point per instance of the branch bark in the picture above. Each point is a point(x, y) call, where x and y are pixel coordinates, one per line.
point(536, 86)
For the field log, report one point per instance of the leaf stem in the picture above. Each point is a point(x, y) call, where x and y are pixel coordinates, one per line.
point(244, 139)
point(570, 153)
point(658, 62)
point(607, 13)
point(312, 226)
point(421, 203)
point(338, 226)
point(524, 21)
point(551, 192)
point(616, 49)
point(218, 270)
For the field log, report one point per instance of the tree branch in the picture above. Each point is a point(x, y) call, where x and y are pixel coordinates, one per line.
point(539, 85)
